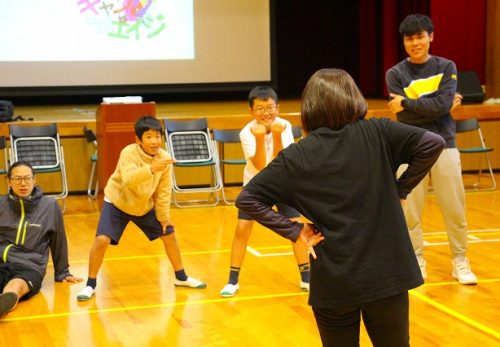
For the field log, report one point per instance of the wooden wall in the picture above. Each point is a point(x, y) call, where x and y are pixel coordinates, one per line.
point(77, 151)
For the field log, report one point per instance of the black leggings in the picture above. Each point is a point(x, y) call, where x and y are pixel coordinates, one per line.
point(386, 321)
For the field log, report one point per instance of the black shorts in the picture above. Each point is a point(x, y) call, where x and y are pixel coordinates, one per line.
point(10, 271)
point(113, 221)
point(285, 210)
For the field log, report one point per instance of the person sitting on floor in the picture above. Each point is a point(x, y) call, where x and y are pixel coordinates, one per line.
point(30, 225)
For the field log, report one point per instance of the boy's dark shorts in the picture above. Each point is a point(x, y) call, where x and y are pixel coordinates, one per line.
point(113, 221)
point(285, 210)
point(10, 271)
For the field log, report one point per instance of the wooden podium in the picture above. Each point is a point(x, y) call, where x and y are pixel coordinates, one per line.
point(114, 131)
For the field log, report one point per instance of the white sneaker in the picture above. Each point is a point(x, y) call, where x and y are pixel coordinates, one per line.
point(422, 264)
point(462, 272)
point(304, 286)
point(229, 290)
point(85, 294)
point(190, 282)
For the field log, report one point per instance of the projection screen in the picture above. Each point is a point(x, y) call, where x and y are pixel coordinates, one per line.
point(151, 45)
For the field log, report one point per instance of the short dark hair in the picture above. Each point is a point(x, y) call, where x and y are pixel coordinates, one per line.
point(331, 99)
point(262, 93)
point(20, 163)
point(414, 24)
point(146, 123)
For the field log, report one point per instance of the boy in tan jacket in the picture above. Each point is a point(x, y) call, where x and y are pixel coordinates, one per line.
point(139, 191)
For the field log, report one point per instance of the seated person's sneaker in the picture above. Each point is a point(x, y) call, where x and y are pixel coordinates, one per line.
point(422, 264)
point(229, 290)
point(304, 286)
point(190, 282)
point(462, 272)
point(8, 301)
point(85, 294)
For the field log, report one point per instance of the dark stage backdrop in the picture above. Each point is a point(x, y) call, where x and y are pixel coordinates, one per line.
point(362, 38)
point(315, 34)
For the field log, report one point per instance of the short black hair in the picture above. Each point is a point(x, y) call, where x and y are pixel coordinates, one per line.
point(414, 24)
point(20, 163)
point(262, 93)
point(146, 123)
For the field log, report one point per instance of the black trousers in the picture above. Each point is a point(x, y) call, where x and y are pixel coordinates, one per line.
point(386, 321)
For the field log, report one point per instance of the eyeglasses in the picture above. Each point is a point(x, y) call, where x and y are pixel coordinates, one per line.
point(18, 179)
point(269, 109)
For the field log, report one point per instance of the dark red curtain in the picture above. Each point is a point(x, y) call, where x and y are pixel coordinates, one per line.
point(380, 46)
point(460, 33)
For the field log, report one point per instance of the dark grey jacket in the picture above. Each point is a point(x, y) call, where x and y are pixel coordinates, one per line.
point(28, 228)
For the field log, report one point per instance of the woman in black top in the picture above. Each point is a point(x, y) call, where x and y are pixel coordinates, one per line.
point(342, 177)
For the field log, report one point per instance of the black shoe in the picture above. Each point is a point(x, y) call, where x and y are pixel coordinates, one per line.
point(7, 302)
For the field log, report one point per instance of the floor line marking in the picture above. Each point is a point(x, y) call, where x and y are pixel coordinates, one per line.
point(159, 255)
point(259, 254)
point(455, 314)
point(442, 283)
point(219, 300)
point(276, 254)
point(253, 251)
point(274, 247)
point(153, 306)
point(470, 231)
point(427, 243)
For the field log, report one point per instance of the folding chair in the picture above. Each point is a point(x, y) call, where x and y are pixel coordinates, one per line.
point(189, 143)
point(223, 137)
point(297, 132)
point(3, 147)
point(41, 147)
point(91, 138)
point(472, 125)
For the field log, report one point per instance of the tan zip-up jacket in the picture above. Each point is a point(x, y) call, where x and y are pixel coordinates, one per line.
point(135, 190)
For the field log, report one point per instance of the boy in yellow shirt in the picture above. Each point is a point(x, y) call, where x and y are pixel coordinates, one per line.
point(139, 191)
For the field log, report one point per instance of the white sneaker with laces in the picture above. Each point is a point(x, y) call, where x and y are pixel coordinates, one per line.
point(462, 272)
point(422, 264)
point(85, 294)
point(304, 286)
point(229, 290)
point(190, 282)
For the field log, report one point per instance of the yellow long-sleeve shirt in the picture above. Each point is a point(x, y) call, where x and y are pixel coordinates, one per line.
point(134, 189)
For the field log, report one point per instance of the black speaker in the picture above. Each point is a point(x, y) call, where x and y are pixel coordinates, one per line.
point(470, 87)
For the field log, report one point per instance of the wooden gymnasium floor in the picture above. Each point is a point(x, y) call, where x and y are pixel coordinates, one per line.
point(136, 303)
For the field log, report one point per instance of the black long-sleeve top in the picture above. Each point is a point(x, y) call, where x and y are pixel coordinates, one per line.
point(344, 181)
